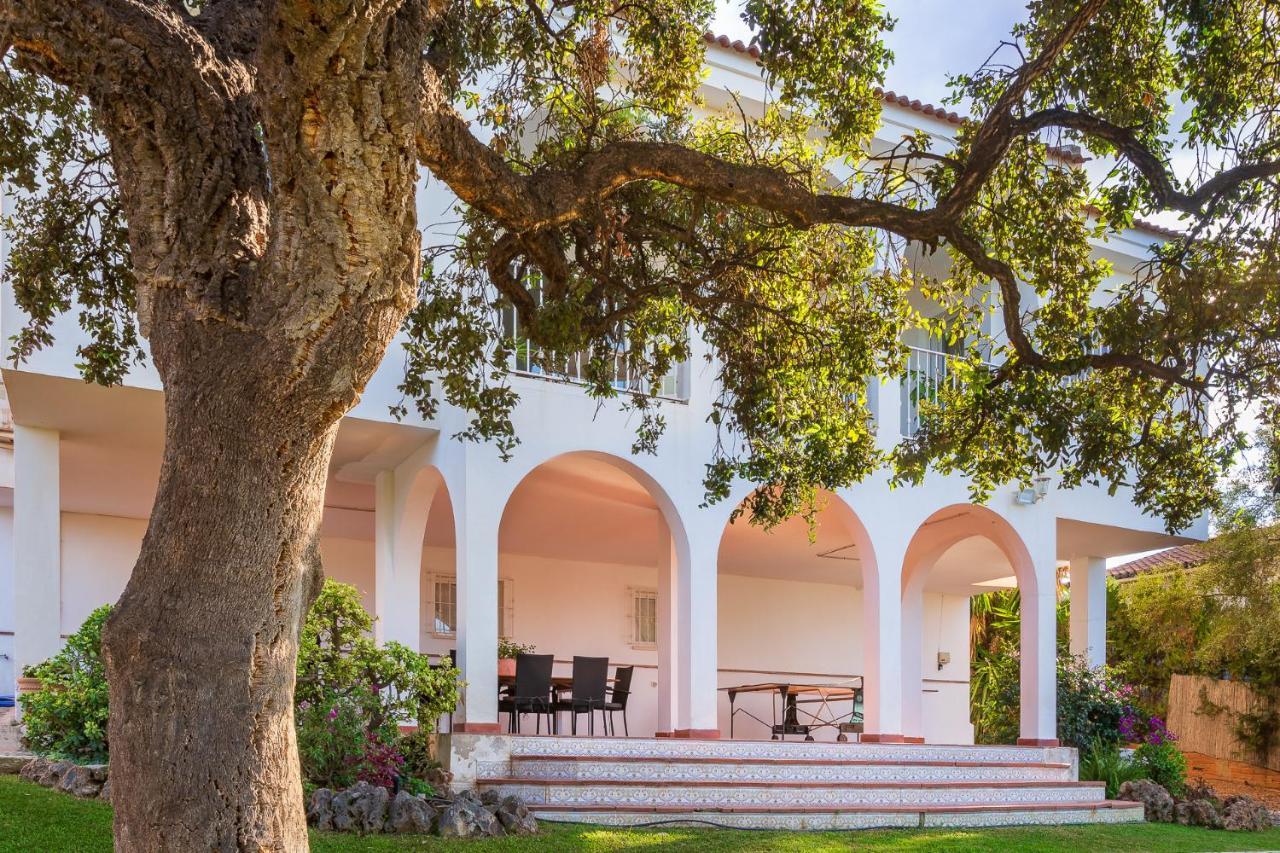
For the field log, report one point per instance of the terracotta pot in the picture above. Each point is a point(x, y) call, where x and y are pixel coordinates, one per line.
point(26, 684)
point(506, 667)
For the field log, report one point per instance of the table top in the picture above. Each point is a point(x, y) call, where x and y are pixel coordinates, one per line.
point(557, 681)
point(846, 690)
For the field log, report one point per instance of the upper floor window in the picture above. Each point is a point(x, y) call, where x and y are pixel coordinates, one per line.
point(525, 359)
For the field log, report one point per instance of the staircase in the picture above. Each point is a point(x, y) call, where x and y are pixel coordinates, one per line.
point(762, 784)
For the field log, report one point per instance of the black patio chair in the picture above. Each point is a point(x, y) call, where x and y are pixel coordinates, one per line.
point(531, 694)
point(590, 681)
point(618, 696)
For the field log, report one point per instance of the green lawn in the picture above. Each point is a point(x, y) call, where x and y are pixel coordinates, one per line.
point(34, 819)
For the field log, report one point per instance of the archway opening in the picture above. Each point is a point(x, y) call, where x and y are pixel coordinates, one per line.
point(790, 606)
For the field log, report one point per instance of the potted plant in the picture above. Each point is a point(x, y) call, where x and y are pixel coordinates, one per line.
point(507, 651)
point(29, 682)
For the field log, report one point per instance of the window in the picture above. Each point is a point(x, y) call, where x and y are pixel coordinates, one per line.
point(444, 606)
point(644, 617)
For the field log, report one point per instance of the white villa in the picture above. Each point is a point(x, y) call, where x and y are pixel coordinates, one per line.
point(581, 548)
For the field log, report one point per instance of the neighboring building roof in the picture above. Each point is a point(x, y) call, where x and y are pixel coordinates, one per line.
point(1180, 557)
point(1070, 154)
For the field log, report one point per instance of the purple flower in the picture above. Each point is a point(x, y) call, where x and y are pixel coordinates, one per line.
point(333, 713)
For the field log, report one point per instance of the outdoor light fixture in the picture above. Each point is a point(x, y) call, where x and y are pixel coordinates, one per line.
point(1033, 495)
point(944, 658)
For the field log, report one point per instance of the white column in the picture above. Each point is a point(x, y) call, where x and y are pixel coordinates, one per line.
point(1039, 714)
point(477, 514)
point(697, 627)
point(37, 546)
point(882, 645)
point(912, 650)
point(1089, 609)
point(668, 638)
point(402, 502)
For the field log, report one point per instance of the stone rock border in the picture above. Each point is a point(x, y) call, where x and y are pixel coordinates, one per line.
point(369, 809)
point(87, 781)
point(1201, 808)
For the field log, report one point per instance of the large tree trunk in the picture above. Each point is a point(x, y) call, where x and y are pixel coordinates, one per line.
point(201, 647)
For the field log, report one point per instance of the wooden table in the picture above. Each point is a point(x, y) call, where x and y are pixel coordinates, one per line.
point(795, 695)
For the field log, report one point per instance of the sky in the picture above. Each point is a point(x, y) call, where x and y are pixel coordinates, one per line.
point(933, 38)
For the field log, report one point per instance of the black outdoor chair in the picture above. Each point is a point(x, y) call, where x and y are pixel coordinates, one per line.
point(618, 698)
point(590, 680)
point(532, 692)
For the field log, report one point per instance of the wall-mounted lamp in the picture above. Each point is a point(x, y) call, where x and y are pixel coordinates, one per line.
point(944, 658)
point(1033, 495)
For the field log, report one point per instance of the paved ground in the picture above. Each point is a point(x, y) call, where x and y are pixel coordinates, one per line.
point(1235, 777)
point(8, 732)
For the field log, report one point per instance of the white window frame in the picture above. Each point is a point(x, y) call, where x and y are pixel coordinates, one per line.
point(634, 599)
point(506, 606)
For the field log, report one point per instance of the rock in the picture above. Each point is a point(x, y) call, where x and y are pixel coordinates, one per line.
point(516, 818)
point(34, 769)
point(410, 814)
point(368, 807)
point(440, 780)
point(320, 809)
point(105, 793)
point(79, 780)
point(1157, 805)
point(490, 797)
point(1245, 814)
point(1198, 813)
point(466, 818)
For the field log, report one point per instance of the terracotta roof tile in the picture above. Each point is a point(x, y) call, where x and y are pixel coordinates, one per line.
point(1182, 556)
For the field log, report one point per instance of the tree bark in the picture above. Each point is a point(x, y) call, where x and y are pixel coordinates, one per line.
point(201, 647)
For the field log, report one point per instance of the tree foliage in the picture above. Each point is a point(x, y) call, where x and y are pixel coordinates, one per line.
point(613, 211)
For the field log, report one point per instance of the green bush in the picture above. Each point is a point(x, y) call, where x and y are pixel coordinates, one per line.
point(1091, 704)
point(68, 718)
point(1102, 762)
point(352, 695)
point(1165, 764)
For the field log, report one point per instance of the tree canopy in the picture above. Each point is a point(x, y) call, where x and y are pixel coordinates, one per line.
point(611, 213)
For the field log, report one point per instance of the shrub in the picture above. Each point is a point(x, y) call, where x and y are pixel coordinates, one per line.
point(1092, 702)
point(508, 648)
point(68, 718)
point(1102, 762)
point(1164, 764)
point(352, 695)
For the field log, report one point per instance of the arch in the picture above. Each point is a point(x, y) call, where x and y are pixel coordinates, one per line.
point(941, 531)
point(802, 623)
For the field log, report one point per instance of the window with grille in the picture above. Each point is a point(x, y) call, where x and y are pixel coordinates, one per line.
point(444, 606)
point(644, 617)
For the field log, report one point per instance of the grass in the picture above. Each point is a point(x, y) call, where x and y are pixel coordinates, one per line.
point(32, 818)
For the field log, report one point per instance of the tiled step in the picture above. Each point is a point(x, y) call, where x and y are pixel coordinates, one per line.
point(549, 746)
point(703, 794)
point(785, 817)
point(767, 770)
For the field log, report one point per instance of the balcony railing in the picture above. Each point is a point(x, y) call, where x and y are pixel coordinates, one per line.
point(928, 373)
point(528, 360)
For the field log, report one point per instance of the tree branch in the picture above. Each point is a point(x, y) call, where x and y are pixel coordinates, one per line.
point(1152, 167)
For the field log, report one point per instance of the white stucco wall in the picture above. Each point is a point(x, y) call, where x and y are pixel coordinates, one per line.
point(769, 629)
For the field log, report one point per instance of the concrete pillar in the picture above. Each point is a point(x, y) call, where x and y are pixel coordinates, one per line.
point(883, 646)
point(402, 502)
point(912, 652)
point(477, 514)
point(1039, 673)
point(668, 638)
point(37, 546)
point(698, 679)
point(1089, 609)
